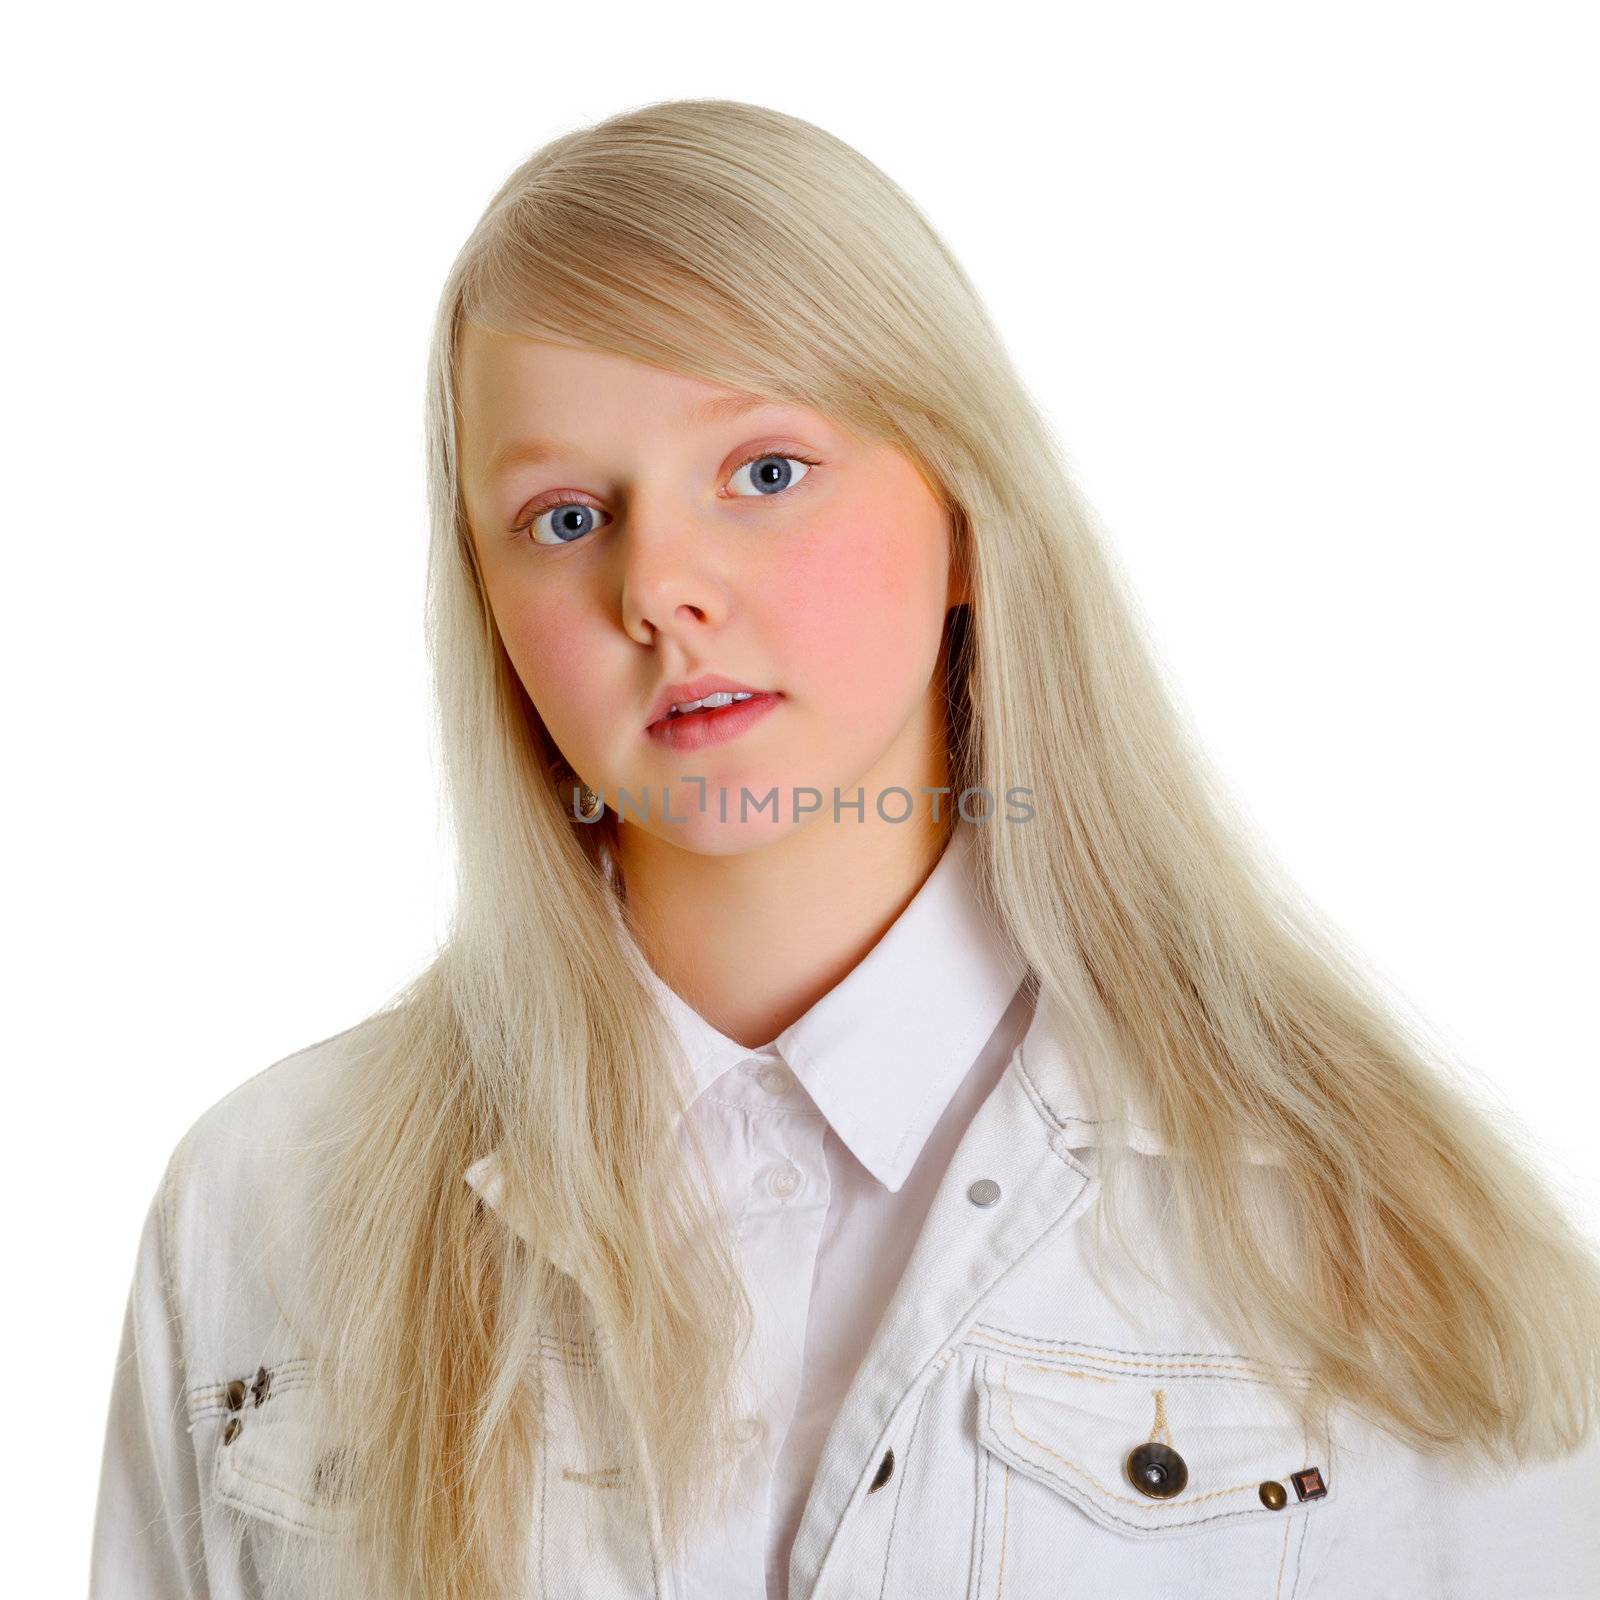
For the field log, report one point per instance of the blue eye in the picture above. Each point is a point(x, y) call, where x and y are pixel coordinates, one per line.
point(774, 478)
point(572, 519)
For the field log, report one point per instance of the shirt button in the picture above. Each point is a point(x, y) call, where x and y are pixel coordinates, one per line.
point(783, 1181)
point(774, 1079)
point(750, 1429)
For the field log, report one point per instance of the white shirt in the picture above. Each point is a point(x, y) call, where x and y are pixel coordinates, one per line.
point(828, 1144)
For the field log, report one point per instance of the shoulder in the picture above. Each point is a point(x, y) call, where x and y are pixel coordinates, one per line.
point(269, 1114)
point(235, 1200)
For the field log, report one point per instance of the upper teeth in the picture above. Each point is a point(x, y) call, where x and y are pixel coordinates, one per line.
point(721, 698)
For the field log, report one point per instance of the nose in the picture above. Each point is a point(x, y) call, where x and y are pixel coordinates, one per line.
point(670, 588)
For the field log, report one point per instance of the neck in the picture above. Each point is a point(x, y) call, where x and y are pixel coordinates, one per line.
point(754, 939)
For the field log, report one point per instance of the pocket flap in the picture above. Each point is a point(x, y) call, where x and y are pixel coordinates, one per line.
point(273, 1461)
point(1241, 1450)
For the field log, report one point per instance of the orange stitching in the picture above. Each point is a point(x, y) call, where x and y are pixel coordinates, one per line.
point(1068, 1372)
point(1144, 1503)
point(1159, 1430)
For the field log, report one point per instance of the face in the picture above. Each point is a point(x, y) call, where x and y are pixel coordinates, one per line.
point(638, 529)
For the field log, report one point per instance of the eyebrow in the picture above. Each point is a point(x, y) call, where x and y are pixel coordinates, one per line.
point(532, 452)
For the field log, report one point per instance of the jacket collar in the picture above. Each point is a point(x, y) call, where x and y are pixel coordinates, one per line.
point(1048, 1053)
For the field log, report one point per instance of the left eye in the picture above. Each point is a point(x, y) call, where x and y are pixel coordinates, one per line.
point(771, 475)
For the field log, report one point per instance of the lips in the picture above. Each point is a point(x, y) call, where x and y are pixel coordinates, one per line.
point(672, 694)
point(699, 730)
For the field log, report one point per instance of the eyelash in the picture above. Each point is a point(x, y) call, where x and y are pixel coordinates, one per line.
point(526, 525)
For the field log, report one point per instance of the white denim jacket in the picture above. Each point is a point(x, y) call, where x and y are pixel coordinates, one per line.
point(993, 1444)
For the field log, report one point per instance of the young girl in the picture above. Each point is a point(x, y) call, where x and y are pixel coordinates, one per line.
point(874, 1128)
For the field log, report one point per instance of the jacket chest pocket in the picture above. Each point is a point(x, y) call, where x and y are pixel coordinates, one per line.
point(1133, 1474)
point(286, 1489)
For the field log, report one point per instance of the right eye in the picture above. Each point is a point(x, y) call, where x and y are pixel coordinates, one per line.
point(571, 520)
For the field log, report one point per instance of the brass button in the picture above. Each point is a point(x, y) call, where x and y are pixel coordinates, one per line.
point(231, 1432)
point(236, 1393)
point(1156, 1470)
point(262, 1384)
point(1274, 1496)
point(883, 1474)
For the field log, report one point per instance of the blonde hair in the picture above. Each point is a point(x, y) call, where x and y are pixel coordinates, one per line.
point(1436, 1285)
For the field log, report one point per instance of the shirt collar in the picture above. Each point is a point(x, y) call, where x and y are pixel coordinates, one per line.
point(883, 1051)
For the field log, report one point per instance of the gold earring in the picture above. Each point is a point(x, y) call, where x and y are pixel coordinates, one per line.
point(593, 809)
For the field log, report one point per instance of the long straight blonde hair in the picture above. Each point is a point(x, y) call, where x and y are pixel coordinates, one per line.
point(1437, 1286)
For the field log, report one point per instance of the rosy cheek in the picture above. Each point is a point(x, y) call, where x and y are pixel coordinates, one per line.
point(545, 642)
point(850, 599)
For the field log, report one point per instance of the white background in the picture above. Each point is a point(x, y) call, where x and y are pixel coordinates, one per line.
point(1306, 292)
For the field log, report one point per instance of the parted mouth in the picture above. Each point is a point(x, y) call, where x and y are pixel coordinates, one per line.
point(700, 694)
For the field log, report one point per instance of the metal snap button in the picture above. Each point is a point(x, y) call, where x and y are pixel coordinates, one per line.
point(1274, 1496)
point(984, 1192)
point(883, 1474)
point(262, 1383)
point(236, 1392)
point(1156, 1470)
point(231, 1432)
